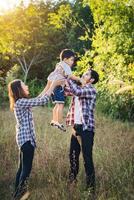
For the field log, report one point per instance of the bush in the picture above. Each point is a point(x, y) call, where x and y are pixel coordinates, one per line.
point(119, 106)
point(35, 87)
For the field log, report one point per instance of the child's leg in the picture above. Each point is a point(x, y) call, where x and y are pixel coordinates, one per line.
point(54, 113)
point(59, 99)
point(59, 113)
point(57, 116)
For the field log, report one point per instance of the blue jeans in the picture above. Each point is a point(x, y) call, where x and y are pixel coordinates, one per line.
point(25, 163)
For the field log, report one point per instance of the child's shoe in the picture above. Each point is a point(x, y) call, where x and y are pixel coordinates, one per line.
point(58, 125)
point(61, 127)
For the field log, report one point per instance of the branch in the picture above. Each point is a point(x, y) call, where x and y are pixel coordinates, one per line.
point(20, 62)
point(25, 64)
point(32, 61)
point(39, 61)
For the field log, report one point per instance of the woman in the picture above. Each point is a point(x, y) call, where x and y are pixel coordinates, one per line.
point(21, 104)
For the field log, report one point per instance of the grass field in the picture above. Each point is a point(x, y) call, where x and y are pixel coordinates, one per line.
point(113, 159)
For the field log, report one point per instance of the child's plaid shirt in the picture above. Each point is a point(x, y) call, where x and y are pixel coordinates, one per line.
point(87, 98)
point(23, 113)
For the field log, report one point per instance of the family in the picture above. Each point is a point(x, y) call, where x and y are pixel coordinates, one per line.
point(80, 116)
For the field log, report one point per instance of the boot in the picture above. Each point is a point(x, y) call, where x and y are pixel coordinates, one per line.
point(22, 192)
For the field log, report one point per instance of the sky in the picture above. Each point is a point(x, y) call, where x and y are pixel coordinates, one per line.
point(6, 5)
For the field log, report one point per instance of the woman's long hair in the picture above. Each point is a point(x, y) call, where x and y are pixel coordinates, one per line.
point(15, 92)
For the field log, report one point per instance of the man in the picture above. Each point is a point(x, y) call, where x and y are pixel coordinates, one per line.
point(81, 116)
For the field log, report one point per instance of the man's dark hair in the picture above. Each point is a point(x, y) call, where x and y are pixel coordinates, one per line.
point(66, 53)
point(95, 76)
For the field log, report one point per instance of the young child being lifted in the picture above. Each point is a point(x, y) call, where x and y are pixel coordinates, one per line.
point(62, 72)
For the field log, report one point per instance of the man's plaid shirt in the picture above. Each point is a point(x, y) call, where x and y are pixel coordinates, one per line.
point(87, 98)
point(25, 126)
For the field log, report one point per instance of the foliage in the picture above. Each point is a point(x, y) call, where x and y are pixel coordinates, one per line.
point(100, 32)
point(112, 56)
point(76, 22)
point(35, 87)
point(31, 42)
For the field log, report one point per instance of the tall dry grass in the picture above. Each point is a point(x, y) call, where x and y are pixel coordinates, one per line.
point(113, 158)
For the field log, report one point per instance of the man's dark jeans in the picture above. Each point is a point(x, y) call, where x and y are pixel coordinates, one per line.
point(25, 163)
point(87, 139)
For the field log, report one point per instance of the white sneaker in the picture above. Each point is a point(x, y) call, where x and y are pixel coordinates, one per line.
point(61, 127)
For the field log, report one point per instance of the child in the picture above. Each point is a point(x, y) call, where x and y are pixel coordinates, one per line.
point(62, 71)
point(25, 132)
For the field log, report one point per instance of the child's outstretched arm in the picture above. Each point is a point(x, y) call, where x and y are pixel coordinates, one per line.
point(76, 78)
point(73, 77)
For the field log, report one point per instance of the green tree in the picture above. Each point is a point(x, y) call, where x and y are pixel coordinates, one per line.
point(31, 42)
point(76, 22)
point(112, 55)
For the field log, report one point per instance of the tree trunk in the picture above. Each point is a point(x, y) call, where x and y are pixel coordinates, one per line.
point(25, 76)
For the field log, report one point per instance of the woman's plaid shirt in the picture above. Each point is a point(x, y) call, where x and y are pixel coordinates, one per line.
point(25, 126)
point(87, 98)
